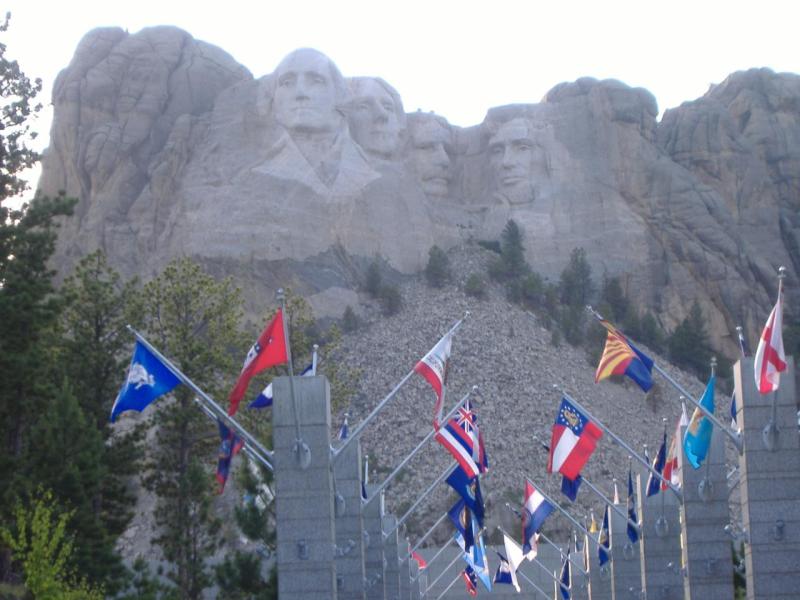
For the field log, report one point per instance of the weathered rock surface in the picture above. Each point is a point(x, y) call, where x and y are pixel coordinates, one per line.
point(302, 177)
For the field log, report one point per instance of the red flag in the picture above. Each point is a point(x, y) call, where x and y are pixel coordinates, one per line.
point(770, 358)
point(420, 561)
point(268, 351)
point(672, 467)
point(433, 367)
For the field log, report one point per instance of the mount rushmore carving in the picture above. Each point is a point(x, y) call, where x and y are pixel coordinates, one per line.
point(303, 176)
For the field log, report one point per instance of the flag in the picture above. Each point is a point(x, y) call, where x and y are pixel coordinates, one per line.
point(472, 582)
point(672, 467)
point(698, 433)
point(565, 579)
point(604, 540)
point(505, 574)
point(569, 487)
point(515, 558)
point(365, 480)
point(268, 351)
point(264, 399)
point(460, 444)
point(462, 520)
point(573, 441)
point(343, 430)
point(420, 561)
point(433, 367)
point(469, 488)
point(593, 528)
point(478, 560)
point(621, 357)
point(467, 419)
point(148, 378)
point(744, 351)
point(653, 482)
point(536, 510)
point(633, 533)
point(229, 447)
point(770, 359)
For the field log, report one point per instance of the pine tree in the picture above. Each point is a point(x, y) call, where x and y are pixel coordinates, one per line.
point(437, 271)
point(193, 320)
point(576, 286)
point(689, 344)
point(373, 280)
point(512, 264)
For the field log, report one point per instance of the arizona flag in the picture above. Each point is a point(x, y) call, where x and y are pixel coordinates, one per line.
point(433, 367)
point(573, 441)
point(621, 357)
point(770, 359)
point(268, 351)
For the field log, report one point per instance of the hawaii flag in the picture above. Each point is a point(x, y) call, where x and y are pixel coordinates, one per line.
point(433, 367)
point(268, 351)
point(770, 358)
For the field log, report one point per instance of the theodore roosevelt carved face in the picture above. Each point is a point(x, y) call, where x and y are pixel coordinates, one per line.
point(430, 141)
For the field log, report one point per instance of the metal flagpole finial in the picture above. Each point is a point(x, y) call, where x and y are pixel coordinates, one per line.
point(280, 295)
point(466, 314)
point(713, 365)
point(781, 272)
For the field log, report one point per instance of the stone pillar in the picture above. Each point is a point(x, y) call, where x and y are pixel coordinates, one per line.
point(391, 559)
point(599, 580)
point(706, 548)
point(414, 579)
point(373, 552)
point(661, 546)
point(626, 572)
point(403, 567)
point(580, 583)
point(349, 524)
point(770, 486)
point(304, 496)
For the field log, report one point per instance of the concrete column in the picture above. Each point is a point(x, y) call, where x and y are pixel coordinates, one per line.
point(770, 485)
point(374, 564)
point(661, 546)
point(390, 554)
point(414, 576)
point(304, 496)
point(580, 583)
point(626, 572)
point(599, 579)
point(349, 524)
point(403, 568)
point(706, 547)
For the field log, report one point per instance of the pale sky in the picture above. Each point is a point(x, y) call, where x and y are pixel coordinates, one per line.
point(457, 58)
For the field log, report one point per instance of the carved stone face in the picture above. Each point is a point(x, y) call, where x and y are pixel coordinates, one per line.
point(373, 119)
point(429, 156)
point(512, 155)
point(305, 94)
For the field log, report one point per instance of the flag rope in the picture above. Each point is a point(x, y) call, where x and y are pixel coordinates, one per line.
point(251, 452)
point(424, 537)
point(446, 473)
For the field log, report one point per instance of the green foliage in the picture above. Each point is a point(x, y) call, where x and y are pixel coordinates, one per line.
point(391, 300)
point(144, 586)
point(688, 346)
point(349, 320)
point(572, 320)
point(650, 333)
point(575, 286)
point(614, 303)
point(491, 245)
point(475, 286)
point(40, 542)
point(511, 263)
point(193, 320)
point(240, 578)
point(437, 271)
point(373, 281)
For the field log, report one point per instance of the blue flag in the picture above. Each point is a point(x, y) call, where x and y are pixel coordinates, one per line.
point(344, 430)
point(604, 541)
point(264, 399)
point(569, 487)
point(565, 580)
point(469, 488)
point(462, 520)
point(698, 433)
point(230, 445)
point(148, 379)
point(505, 573)
point(633, 533)
point(653, 482)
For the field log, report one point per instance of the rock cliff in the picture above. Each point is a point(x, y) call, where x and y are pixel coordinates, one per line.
point(303, 176)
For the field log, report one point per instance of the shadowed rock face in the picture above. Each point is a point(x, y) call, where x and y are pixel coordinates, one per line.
point(302, 177)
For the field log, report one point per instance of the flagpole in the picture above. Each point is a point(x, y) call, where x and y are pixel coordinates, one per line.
point(735, 436)
point(424, 537)
point(255, 455)
point(419, 447)
point(600, 494)
point(546, 539)
point(205, 397)
point(302, 453)
point(338, 451)
point(631, 452)
point(427, 492)
point(771, 431)
point(435, 556)
point(452, 562)
point(447, 589)
point(536, 587)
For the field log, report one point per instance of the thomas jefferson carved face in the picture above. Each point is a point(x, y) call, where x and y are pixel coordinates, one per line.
point(513, 155)
point(430, 141)
point(308, 88)
point(375, 118)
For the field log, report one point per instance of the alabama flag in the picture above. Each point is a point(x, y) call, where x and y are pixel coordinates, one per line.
point(573, 441)
point(770, 358)
point(268, 351)
point(433, 367)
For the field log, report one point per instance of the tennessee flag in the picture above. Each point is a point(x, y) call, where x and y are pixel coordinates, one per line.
point(621, 357)
point(268, 351)
point(573, 441)
point(770, 359)
point(433, 367)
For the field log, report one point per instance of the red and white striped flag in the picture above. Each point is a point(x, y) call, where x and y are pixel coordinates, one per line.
point(672, 468)
point(770, 359)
